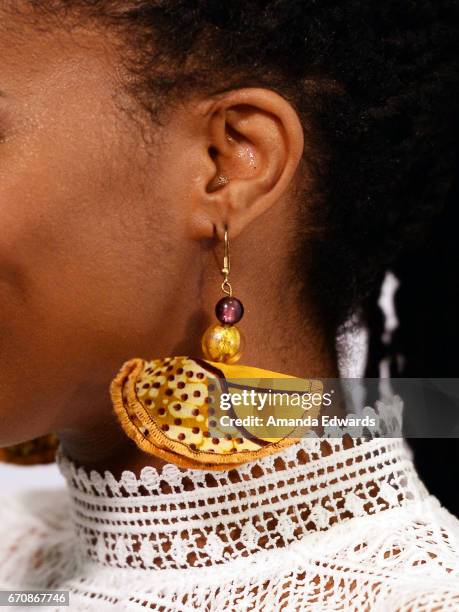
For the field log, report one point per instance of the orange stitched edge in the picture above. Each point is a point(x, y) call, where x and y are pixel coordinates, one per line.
point(166, 449)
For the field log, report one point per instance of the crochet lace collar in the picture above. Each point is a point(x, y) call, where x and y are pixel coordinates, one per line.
point(177, 518)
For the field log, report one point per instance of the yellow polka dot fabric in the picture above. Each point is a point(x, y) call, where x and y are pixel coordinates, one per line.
point(171, 407)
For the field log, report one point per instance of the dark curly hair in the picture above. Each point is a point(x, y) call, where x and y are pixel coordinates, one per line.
point(373, 83)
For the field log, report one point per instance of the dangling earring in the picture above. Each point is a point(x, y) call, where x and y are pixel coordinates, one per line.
point(171, 407)
point(223, 342)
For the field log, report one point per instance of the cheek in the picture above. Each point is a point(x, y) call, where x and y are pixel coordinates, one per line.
point(80, 275)
point(56, 233)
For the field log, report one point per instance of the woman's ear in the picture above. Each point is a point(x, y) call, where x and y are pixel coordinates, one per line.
point(252, 142)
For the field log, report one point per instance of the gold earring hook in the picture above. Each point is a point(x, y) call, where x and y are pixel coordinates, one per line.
point(226, 285)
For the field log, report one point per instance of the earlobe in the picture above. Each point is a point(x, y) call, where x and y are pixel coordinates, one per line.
point(256, 143)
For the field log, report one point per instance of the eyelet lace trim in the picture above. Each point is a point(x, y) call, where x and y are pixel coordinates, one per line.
point(176, 518)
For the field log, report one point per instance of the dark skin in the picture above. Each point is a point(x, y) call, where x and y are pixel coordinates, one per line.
point(112, 228)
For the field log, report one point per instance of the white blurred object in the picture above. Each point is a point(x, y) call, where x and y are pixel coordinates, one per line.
point(353, 343)
point(17, 478)
point(387, 305)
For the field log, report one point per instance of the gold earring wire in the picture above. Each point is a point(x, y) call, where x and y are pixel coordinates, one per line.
point(226, 285)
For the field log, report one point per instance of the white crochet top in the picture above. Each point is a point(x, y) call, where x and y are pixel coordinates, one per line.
point(324, 525)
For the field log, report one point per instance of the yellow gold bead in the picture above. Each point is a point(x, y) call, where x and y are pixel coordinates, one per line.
point(223, 343)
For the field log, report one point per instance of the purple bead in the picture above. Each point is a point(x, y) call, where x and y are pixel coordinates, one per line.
point(229, 310)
